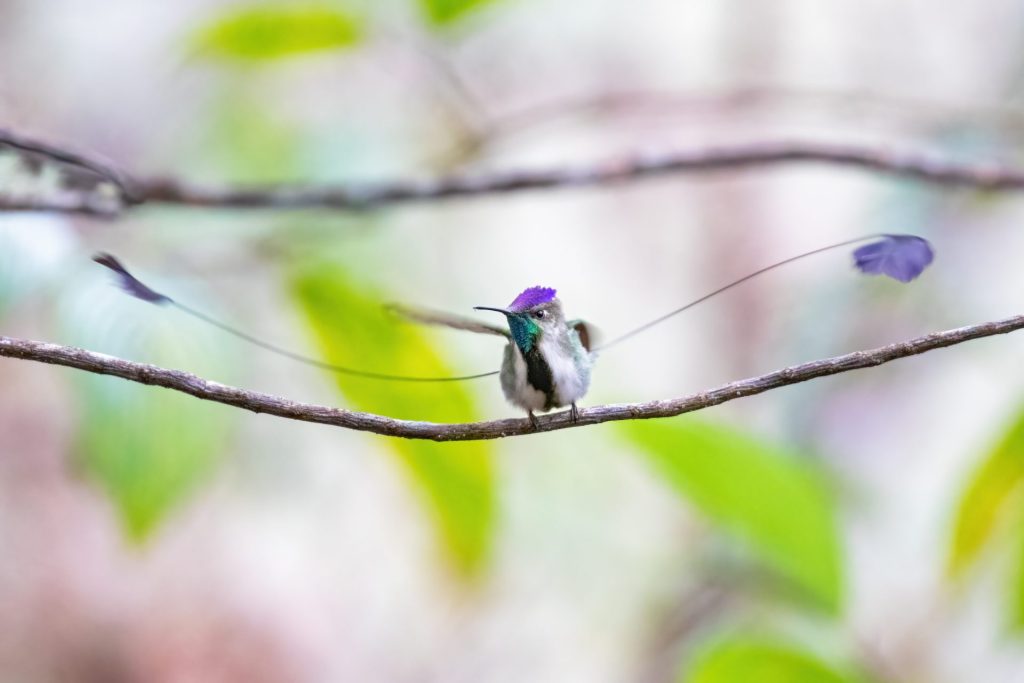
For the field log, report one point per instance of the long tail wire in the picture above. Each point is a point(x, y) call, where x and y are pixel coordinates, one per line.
point(340, 369)
point(646, 326)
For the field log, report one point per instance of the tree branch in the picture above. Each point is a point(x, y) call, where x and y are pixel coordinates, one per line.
point(31, 147)
point(266, 403)
point(63, 203)
point(361, 196)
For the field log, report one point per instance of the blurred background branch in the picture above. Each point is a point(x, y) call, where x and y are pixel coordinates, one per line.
point(916, 165)
point(258, 402)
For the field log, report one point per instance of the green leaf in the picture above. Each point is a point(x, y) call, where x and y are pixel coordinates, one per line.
point(352, 329)
point(1015, 601)
point(248, 145)
point(273, 31)
point(444, 12)
point(770, 499)
point(147, 447)
point(991, 501)
point(745, 659)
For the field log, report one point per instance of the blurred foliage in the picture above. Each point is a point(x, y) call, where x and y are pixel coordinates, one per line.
point(148, 448)
point(992, 497)
point(1015, 601)
point(771, 499)
point(444, 12)
point(992, 509)
point(752, 659)
point(353, 330)
point(247, 144)
point(275, 30)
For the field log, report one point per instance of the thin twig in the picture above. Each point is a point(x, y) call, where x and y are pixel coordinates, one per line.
point(361, 196)
point(379, 424)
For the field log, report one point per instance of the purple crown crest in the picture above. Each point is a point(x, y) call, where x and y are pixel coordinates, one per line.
point(530, 297)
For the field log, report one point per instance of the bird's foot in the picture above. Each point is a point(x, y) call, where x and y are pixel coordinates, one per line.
point(574, 413)
point(533, 420)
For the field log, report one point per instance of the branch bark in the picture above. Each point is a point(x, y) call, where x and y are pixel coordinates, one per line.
point(379, 424)
point(355, 197)
point(923, 167)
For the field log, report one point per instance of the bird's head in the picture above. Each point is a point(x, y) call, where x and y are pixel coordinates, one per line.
point(534, 313)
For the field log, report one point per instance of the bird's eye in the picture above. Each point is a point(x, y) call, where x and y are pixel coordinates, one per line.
point(539, 315)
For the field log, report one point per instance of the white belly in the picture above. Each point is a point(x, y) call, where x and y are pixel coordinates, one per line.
point(570, 377)
point(570, 380)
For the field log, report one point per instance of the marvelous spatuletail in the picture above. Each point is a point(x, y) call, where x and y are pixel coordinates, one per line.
point(548, 359)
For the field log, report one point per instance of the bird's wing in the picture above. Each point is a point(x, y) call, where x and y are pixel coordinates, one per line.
point(587, 333)
point(430, 317)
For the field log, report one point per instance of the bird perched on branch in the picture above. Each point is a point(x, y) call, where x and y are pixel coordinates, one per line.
point(548, 359)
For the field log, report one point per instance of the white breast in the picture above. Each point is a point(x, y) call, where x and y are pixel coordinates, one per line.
point(570, 380)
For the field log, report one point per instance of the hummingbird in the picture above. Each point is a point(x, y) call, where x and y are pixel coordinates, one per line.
point(548, 359)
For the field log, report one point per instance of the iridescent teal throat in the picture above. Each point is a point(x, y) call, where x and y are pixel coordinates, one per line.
point(524, 331)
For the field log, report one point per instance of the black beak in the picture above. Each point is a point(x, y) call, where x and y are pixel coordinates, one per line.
point(491, 308)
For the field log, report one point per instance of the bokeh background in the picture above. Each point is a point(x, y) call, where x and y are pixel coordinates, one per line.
point(865, 527)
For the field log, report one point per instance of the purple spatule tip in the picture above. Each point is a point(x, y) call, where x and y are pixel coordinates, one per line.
point(129, 282)
point(901, 257)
